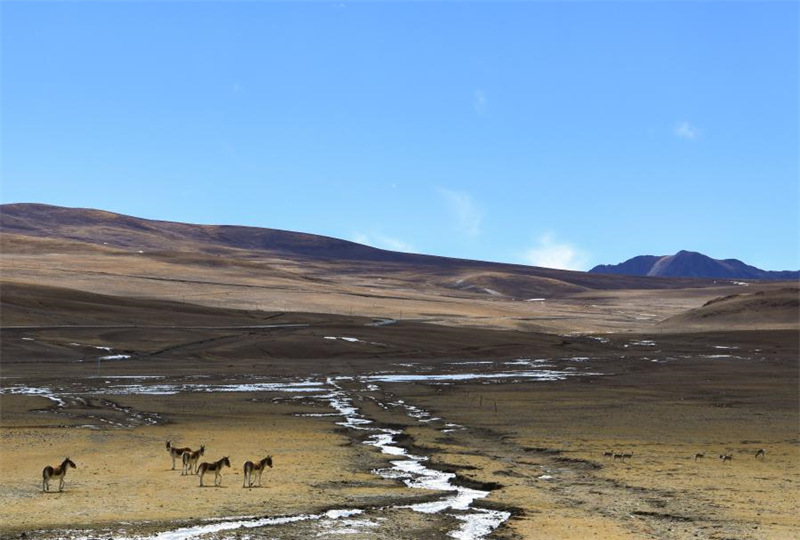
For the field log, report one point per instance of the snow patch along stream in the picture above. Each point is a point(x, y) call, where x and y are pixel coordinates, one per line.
point(237, 524)
point(44, 392)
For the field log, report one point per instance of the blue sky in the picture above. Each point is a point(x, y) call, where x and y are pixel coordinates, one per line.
point(559, 134)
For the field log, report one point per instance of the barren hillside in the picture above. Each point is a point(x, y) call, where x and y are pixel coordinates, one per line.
point(779, 308)
point(267, 270)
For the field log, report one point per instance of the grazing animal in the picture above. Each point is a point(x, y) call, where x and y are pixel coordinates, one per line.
point(627, 455)
point(726, 457)
point(608, 454)
point(215, 467)
point(255, 468)
point(761, 452)
point(56, 472)
point(618, 456)
point(699, 455)
point(190, 461)
point(176, 452)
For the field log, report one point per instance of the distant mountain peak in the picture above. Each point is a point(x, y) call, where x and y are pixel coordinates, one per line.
point(691, 264)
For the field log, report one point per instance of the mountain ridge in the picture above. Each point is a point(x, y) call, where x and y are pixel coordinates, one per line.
point(691, 264)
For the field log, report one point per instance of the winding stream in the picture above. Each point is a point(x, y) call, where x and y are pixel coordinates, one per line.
point(478, 522)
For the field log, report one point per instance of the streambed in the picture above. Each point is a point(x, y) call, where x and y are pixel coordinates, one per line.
point(412, 470)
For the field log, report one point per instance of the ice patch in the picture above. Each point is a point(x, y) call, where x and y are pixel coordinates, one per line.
point(541, 375)
point(479, 525)
point(415, 412)
point(166, 389)
point(347, 526)
point(348, 339)
point(29, 391)
point(125, 377)
point(192, 532)
point(336, 514)
point(526, 362)
point(216, 525)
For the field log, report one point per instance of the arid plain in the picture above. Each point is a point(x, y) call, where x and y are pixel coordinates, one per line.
point(372, 377)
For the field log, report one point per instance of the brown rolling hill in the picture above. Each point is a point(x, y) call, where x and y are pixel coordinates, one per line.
point(159, 238)
point(72, 251)
point(779, 308)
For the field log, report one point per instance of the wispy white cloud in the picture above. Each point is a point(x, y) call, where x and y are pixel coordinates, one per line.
point(479, 101)
point(467, 215)
point(550, 253)
point(383, 242)
point(685, 130)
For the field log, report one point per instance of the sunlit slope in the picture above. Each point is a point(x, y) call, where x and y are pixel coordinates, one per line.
point(254, 269)
point(134, 235)
point(778, 308)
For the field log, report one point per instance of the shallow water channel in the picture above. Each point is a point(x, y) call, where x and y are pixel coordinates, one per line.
point(477, 522)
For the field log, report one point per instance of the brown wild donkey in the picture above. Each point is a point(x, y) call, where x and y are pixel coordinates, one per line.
point(190, 460)
point(56, 472)
point(215, 467)
point(255, 468)
point(176, 452)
